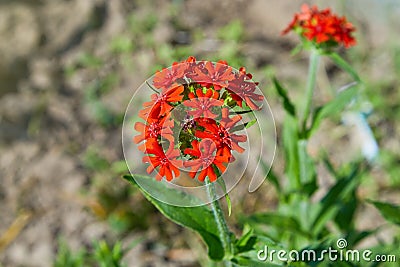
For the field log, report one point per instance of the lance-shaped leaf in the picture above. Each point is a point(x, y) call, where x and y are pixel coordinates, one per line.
point(389, 211)
point(333, 107)
point(287, 104)
point(199, 218)
point(338, 60)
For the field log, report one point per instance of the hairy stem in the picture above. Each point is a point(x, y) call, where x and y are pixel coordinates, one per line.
point(312, 75)
point(219, 217)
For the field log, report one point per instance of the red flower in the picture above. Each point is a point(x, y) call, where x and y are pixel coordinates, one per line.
point(319, 28)
point(153, 129)
point(221, 134)
point(305, 15)
point(343, 31)
point(308, 13)
point(191, 66)
point(166, 78)
point(161, 103)
point(242, 89)
point(201, 82)
point(291, 25)
point(167, 162)
point(207, 157)
point(217, 75)
point(322, 26)
point(190, 59)
point(202, 104)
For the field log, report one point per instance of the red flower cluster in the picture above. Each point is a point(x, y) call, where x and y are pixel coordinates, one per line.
point(188, 124)
point(322, 26)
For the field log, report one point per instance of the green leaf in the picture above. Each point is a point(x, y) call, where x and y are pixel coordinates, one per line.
point(344, 65)
point(319, 247)
point(243, 126)
point(287, 104)
point(271, 176)
point(250, 123)
point(290, 139)
point(355, 236)
point(297, 49)
point(389, 250)
point(247, 241)
point(347, 209)
point(199, 218)
point(106, 256)
point(280, 222)
point(328, 207)
point(300, 167)
point(221, 182)
point(239, 112)
point(389, 211)
point(308, 175)
point(333, 107)
point(229, 203)
point(328, 165)
point(251, 257)
point(66, 258)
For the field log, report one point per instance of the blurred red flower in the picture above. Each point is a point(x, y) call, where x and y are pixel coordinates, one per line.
point(321, 26)
point(343, 31)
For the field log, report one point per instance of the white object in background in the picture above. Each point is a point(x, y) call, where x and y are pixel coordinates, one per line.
point(369, 146)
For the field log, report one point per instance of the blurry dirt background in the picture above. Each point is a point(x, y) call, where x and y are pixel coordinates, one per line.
point(68, 70)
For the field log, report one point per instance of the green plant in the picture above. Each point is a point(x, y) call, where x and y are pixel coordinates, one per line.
point(100, 254)
point(66, 258)
point(231, 36)
point(301, 222)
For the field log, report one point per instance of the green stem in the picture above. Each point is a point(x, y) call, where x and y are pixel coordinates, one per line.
point(312, 76)
point(224, 233)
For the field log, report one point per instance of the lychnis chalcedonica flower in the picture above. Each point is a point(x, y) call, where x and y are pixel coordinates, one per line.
point(195, 126)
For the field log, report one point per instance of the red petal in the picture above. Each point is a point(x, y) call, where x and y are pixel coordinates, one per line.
point(211, 174)
point(202, 175)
